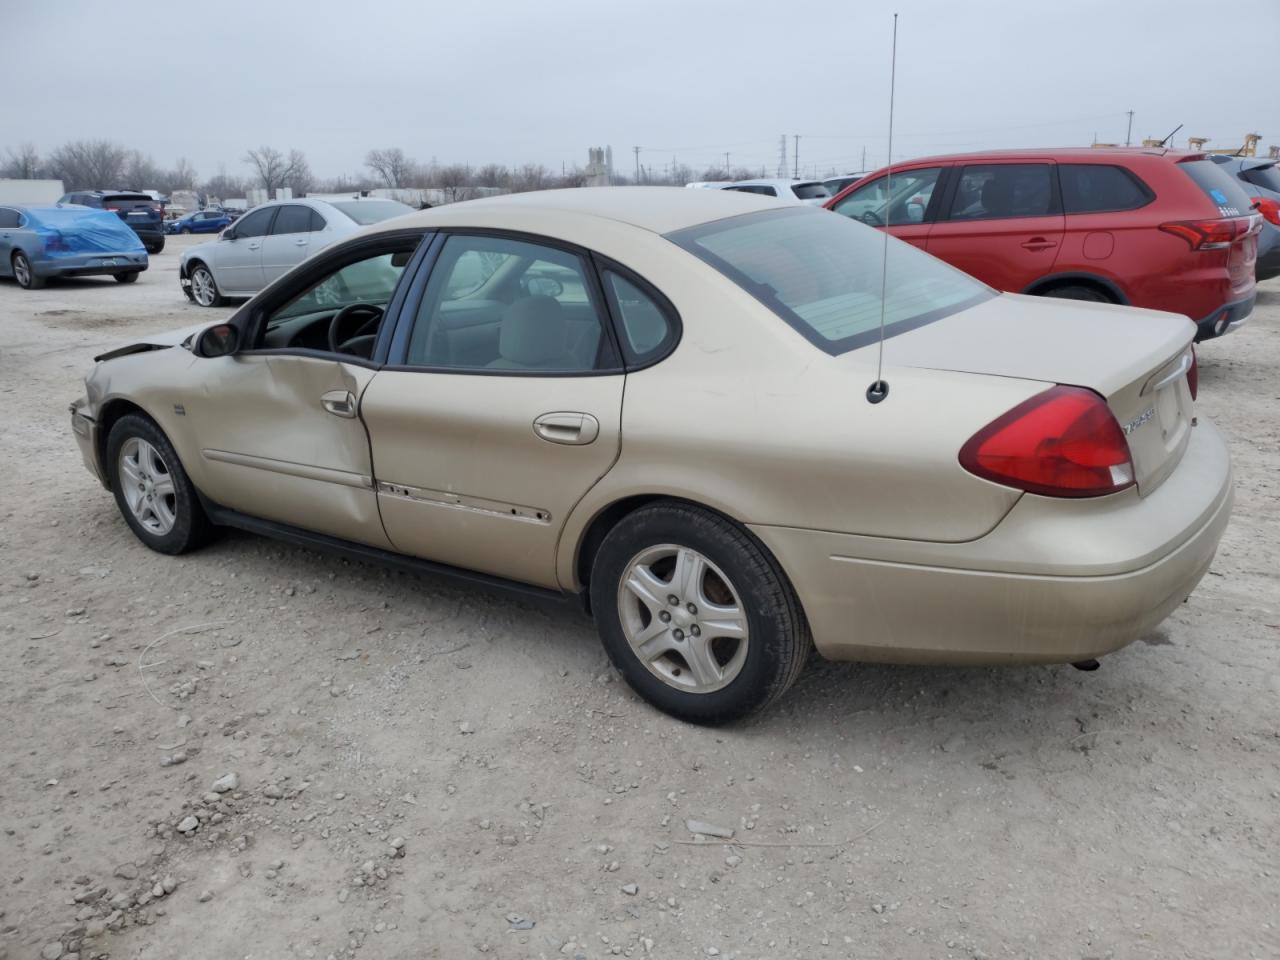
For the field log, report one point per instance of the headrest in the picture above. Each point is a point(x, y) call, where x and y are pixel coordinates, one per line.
point(533, 332)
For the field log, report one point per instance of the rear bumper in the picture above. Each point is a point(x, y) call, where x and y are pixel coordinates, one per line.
point(1054, 582)
point(86, 265)
point(1225, 319)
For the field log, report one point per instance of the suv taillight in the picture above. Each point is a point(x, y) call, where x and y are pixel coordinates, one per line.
point(1209, 234)
point(1193, 375)
point(1269, 209)
point(1063, 442)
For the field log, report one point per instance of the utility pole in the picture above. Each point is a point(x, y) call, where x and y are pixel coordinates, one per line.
point(864, 159)
point(796, 151)
point(637, 152)
point(1129, 132)
point(726, 162)
point(782, 156)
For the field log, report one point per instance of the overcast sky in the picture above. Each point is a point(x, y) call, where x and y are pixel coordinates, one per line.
point(543, 80)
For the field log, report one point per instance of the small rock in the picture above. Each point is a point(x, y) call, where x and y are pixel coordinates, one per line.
point(73, 612)
point(708, 829)
point(51, 951)
point(733, 860)
point(188, 824)
point(877, 908)
point(226, 783)
point(273, 791)
point(127, 871)
point(169, 883)
point(205, 896)
point(466, 727)
point(630, 889)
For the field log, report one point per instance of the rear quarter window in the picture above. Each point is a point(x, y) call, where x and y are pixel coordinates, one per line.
point(1267, 177)
point(1100, 188)
point(1220, 187)
point(810, 191)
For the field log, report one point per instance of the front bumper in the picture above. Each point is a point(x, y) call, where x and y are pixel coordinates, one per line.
point(90, 264)
point(1057, 581)
point(1225, 319)
point(85, 429)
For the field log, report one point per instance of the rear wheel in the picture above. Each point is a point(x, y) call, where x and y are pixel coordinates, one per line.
point(23, 273)
point(186, 230)
point(1078, 292)
point(127, 277)
point(152, 490)
point(156, 247)
point(204, 289)
point(696, 615)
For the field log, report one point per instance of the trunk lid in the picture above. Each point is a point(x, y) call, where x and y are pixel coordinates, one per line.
point(1135, 359)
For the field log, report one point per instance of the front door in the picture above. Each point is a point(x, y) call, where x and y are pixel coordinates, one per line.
point(238, 259)
point(1003, 223)
point(903, 201)
point(500, 411)
point(288, 243)
point(278, 423)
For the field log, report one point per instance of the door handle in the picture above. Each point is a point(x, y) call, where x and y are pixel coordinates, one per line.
point(1039, 243)
point(255, 246)
point(567, 427)
point(340, 403)
point(301, 243)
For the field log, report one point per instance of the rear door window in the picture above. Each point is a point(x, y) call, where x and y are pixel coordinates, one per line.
point(292, 218)
point(8, 218)
point(997, 191)
point(809, 191)
point(1267, 177)
point(1100, 187)
point(1219, 186)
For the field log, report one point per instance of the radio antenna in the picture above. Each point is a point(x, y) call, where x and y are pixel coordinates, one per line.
point(879, 389)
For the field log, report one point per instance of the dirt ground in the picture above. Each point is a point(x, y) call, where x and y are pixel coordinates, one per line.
point(429, 771)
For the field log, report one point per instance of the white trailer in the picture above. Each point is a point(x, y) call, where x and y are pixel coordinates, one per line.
point(31, 192)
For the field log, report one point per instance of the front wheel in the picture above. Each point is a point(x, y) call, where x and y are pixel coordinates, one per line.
point(128, 277)
point(696, 614)
point(204, 289)
point(23, 273)
point(152, 490)
point(186, 231)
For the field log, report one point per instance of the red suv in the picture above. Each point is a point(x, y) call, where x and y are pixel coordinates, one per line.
point(1155, 228)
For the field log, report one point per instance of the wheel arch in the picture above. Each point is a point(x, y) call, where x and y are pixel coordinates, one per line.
point(108, 415)
point(1079, 278)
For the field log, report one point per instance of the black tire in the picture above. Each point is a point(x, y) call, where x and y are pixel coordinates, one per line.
point(185, 231)
point(217, 300)
point(23, 272)
point(779, 641)
point(191, 527)
point(1078, 292)
point(157, 247)
point(127, 277)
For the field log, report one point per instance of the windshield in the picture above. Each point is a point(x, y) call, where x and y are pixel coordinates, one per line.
point(365, 212)
point(810, 191)
point(822, 274)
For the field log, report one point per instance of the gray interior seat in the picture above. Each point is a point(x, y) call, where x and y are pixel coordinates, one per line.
point(535, 335)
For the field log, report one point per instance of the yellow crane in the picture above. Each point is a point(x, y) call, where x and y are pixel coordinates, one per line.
point(1249, 149)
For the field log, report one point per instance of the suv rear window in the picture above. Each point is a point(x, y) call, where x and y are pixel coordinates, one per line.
point(1101, 187)
point(1219, 186)
point(1267, 177)
point(809, 191)
point(822, 274)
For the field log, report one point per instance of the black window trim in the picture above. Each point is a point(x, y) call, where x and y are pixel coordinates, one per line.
point(249, 318)
point(1136, 180)
point(398, 357)
point(1055, 189)
point(271, 222)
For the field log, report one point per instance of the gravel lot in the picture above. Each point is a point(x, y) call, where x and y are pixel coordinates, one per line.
point(429, 771)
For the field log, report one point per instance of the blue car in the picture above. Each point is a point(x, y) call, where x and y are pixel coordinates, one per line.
point(37, 243)
point(1260, 178)
point(202, 221)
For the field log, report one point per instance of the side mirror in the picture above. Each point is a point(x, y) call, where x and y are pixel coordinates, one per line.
point(218, 341)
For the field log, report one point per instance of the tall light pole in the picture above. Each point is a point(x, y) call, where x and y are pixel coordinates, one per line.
point(637, 153)
point(1129, 132)
point(796, 151)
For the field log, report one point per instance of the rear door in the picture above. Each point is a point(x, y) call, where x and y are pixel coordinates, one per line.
point(9, 219)
point(907, 200)
point(289, 241)
point(1002, 222)
point(237, 261)
point(499, 409)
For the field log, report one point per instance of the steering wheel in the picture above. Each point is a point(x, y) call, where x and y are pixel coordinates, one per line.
point(346, 327)
point(871, 218)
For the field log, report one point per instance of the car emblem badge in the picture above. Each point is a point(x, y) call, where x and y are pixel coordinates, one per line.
point(1139, 420)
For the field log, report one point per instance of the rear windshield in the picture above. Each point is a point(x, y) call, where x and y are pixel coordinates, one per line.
point(371, 211)
point(1219, 186)
point(1267, 177)
point(822, 274)
point(809, 191)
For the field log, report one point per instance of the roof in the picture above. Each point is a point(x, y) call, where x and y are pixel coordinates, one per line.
point(659, 209)
point(1055, 152)
point(772, 182)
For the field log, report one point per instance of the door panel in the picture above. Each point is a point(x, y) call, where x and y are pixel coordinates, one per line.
point(465, 478)
point(272, 448)
point(1004, 224)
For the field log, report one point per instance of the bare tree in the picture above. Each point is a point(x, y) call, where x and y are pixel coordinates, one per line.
point(224, 187)
point(89, 164)
point(492, 175)
point(273, 170)
point(23, 162)
point(183, 176)
point(140, 172)
point(391, 166)
point(531, 176)
point(455, 180)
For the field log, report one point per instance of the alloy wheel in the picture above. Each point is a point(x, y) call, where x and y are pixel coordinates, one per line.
point(683, 618)
point(148, 486)
point(21, 270)
point(203, 287)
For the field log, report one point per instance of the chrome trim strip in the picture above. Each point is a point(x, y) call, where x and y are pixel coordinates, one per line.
point(305, 471)
point(444, 498)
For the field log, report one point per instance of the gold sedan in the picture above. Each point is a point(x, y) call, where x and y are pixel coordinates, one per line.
point(667, 403)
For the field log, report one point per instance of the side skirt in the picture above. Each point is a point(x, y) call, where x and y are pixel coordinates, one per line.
point(324, 543)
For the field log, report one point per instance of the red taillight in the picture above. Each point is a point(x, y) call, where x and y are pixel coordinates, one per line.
point(1063, 442)
point(53, 241)
point(1193, 375)
point(1269, 209)
point(114, 209)
point(1209, 234)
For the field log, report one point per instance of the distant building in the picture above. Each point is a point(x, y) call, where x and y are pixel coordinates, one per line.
point(599, 167)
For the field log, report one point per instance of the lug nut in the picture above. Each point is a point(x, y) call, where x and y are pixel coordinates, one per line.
point(673, 600)
point(677, 633)
point(696, 630)
point(664, 616)
point(692, 609)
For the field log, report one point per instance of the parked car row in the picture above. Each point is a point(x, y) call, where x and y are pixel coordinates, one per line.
point(38, 243)
point(1164, 229)
point(140, 211)
point(650, 401)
